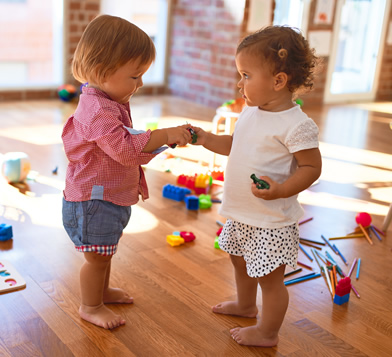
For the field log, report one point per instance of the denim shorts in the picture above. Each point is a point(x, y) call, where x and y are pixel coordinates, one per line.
point(95, 222)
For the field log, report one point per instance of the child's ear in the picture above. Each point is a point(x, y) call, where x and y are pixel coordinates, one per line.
point(280, 81)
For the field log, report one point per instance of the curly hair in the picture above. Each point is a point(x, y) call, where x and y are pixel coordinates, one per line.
point(286, 50)
point(108, 43)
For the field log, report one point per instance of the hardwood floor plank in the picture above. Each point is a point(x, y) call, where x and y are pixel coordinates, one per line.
point(372, 342)
point(175, 287)
point(329, 341)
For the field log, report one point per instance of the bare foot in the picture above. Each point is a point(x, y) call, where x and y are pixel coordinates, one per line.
point(232, 308)
point(101, 316)
point(116, 296)
point(251, 336)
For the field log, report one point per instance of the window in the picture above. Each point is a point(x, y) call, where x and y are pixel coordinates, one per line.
point(31, 44)
point(293, 13)
point(152, 17)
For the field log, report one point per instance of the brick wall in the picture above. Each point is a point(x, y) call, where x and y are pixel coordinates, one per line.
point(204, 37)
point(78, 14)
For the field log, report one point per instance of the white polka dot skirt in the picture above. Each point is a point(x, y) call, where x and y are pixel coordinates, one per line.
point(263, 249)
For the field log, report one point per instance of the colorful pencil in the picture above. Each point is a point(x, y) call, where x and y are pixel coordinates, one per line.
point(305, 252)
point(321, 258)
point(356, 235)
point(304, 265)
point(375, 232)
point(352, 267)
point(340, 254)
point(311, 241)
point(293, 281)
point(293, 272)
point(365, 233)
point(305, 220)
point(378, 230)
point(330, 257)
point(332, 282)
point(311, 245)
point(329, 244)
point(334, 275)
point(358, 267)
point(326, 274)
point(314, 252)
point(352, 287)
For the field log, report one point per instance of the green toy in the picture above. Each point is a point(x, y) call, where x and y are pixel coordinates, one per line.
point(260, 184)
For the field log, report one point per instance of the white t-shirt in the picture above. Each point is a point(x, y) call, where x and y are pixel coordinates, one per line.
point(263, 144)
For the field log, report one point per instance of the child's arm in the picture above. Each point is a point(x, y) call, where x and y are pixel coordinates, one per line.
point(308, 171)
point(220, 144)
point(178, 135)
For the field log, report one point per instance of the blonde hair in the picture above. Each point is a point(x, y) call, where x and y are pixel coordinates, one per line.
point(286, 50)
point(108, 43)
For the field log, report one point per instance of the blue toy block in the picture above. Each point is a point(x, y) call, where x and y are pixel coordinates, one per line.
point(5, 232)
point(174, 192)
point(192, 202)
point(339, 300)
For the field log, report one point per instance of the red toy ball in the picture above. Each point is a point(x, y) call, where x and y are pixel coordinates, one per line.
point(363, 218)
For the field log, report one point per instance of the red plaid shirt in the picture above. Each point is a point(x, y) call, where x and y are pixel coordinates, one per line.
point(104, 157)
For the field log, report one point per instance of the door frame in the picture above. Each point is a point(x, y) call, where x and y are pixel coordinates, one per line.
point(353, 97)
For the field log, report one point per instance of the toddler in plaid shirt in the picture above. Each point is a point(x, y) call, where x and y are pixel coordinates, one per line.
point(104, 176)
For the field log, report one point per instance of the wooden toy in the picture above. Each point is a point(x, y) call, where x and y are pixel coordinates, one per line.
point(364, 220)
point(10, 279)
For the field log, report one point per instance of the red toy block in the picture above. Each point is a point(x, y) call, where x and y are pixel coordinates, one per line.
point(187, 236)
point(343, 287)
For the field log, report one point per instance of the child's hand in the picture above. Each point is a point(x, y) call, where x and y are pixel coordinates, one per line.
point(178, 135)
point(272, 193)
point(201, 135)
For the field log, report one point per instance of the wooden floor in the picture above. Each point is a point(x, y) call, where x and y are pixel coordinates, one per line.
point(174, 288)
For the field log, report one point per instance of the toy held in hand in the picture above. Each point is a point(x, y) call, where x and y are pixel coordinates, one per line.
point(260, 184)
point(193, 135)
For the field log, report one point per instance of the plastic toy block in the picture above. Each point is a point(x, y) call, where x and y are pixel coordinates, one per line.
point(177, 233)
point(187, 236)
point(216, 243)
point(201, 190)
point(188, 181)
point(343, 287)
point(192, 202)
point(5, 232)
point(174, 192)
point(202, 180)
point(181, 180)
point(339, 300)
point(342, 291)
point(174, 240)
point(217, 174)
point(219, 231)
point(205, 201)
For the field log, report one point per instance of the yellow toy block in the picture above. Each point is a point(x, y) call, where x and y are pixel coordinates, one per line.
point(202, 180)
point(174, 240)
